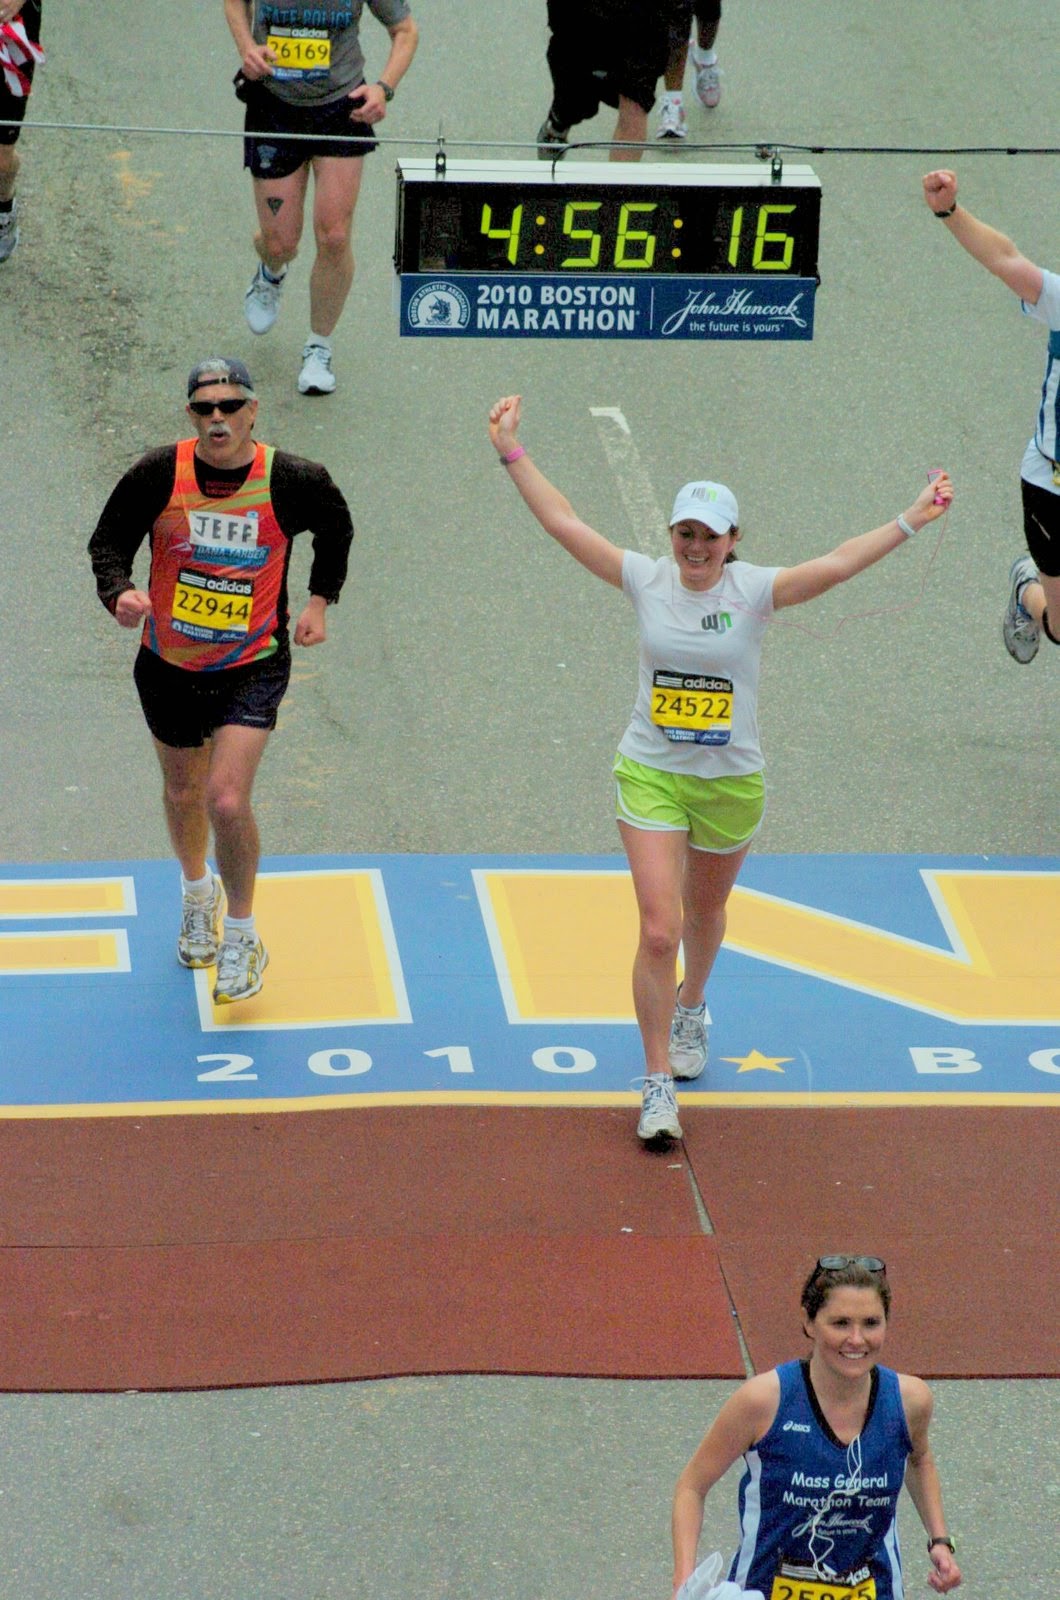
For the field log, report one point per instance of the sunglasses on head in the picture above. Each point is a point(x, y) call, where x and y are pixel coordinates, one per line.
point(206, 408)
point(837, 1263)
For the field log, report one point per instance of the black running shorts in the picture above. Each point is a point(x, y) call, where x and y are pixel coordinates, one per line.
point(1041, 527)
point(269, 155)
point(182, 709)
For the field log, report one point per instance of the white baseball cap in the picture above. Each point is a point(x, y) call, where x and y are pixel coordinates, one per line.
point(711, 503)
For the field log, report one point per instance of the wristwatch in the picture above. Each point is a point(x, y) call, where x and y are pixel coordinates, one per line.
point(942, 1538)
point(388, 93)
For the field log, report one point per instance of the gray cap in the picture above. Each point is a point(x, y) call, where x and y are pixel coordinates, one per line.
point(219, 369)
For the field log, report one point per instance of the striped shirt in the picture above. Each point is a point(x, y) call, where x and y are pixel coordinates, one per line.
point(1042, 451)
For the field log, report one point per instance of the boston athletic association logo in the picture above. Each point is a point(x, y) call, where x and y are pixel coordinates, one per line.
point(439, 306)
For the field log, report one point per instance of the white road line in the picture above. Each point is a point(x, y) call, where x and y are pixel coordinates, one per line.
point(638, 496)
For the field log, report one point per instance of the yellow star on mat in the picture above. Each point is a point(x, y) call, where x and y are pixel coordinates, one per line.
point(758, 1063)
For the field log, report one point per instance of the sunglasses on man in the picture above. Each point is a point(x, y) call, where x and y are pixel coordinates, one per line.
point(206, 408)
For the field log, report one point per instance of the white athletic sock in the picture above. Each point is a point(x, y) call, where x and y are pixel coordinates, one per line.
point(704, 58)
point(240, 927)
point(321, 339)
point(692, 1011)
point(197, 888)
point(673, 95)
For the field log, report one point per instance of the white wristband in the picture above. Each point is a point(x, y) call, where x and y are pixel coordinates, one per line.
point(905, 528)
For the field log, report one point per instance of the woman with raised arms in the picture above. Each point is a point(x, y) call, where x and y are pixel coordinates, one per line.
point(690, 787)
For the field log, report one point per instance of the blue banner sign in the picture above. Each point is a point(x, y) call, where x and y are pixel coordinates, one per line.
point(530, 306)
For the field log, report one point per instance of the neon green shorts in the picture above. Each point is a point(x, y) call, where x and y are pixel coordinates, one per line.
point(718, 814)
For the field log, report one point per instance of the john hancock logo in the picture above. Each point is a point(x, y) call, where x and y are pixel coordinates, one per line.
point(705, 311)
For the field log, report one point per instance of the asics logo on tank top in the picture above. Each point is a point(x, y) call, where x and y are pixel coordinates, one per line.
point(796, 1427)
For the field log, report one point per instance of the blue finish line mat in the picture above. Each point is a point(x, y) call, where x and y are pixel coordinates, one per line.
point(901, 980)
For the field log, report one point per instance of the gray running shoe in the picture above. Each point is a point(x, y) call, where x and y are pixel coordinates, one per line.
point(708, 84)
point(672, 123)
point(241, 967)
point(8, 231)
point(199, 934)
point(316, 376)
point(550, 139)
point(1018, 629)
point(262, 301)
point(658, 1114)
point(688, 1041)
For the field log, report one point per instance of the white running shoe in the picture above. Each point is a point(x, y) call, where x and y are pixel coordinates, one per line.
point(672, 122)
point(688, 1041)
point(708, 83)
point(1018, 628)
point(316, 376)
point(658, 1112)
point(550, 139)
point(241, 967)
point(8, 231)
point(199, 936)
point(262, 301)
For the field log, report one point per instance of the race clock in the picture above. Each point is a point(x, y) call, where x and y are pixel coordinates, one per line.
point(735, 247)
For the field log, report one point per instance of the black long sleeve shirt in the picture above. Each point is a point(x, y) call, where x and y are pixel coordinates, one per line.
point(304, 497)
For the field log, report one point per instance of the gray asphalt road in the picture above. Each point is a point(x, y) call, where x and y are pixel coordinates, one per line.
point(441, 714)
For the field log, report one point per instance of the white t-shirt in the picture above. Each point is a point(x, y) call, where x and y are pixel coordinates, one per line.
point(697, 699)
point(1042, 451)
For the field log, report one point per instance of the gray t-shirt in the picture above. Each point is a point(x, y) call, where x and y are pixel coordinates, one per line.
point(318, 46)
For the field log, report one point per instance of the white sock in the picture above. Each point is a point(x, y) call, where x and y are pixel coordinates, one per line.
point(241, 927)
point(673, 95)
point(197, 888)
point(704, 58)
point(322, 339)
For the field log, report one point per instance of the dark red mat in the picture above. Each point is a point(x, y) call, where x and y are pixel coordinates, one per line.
point(199, 1251)
point(210, 1250)
point(960, 1203)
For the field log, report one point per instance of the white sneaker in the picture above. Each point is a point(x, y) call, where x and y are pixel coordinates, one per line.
point(708, 83)
point(672, 123)
point(199, 937)
point(8, 231)
point(241, 967)
point(262, 301)
point(658, 1113)
point(316, 376)
point(1019, 630)
point(550, 139)
point(688, 1041)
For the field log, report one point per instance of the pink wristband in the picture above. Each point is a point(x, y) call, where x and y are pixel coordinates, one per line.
point(513, 455)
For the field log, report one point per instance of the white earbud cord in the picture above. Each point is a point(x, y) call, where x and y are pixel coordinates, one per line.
point(852, 1486)
point(852, 616)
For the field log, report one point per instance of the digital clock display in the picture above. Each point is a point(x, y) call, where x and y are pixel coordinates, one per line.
point(585, 221)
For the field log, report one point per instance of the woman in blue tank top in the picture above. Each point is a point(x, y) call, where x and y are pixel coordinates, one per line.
point(826, 1445)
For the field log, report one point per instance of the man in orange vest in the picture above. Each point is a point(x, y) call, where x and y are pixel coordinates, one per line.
point(221, 510)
